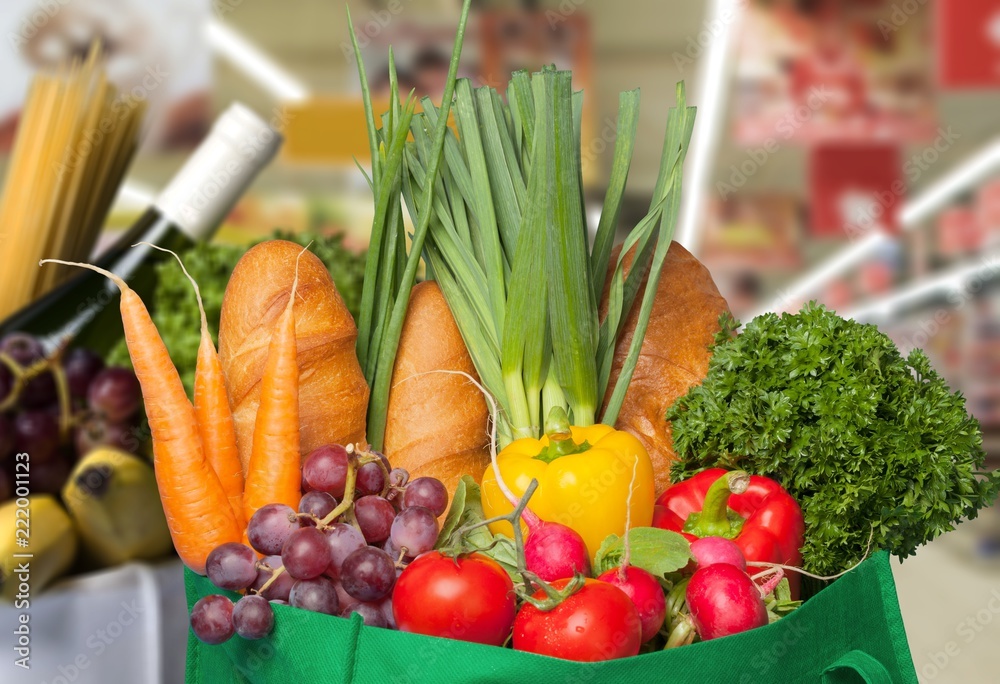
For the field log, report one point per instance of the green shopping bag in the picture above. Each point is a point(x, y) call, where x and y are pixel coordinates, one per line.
point(851, 631)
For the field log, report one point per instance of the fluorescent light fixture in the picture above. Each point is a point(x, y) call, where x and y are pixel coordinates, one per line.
point(966, 175)
point(254, 63)
point(712, 89)
point(958, 278)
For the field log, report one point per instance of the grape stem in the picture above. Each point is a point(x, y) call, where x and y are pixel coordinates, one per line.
point(354, 461)
point(24, 375)
point(275, 574)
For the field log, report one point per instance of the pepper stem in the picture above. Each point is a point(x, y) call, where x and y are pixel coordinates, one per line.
point(557, 429)
point(716, 519)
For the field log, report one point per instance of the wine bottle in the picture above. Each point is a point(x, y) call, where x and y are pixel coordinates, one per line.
point(84, 309)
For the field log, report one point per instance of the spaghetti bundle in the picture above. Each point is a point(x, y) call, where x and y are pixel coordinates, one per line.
point(76, 137)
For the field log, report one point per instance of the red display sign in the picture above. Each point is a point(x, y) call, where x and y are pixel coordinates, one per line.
point(968, 33)
point(855, 190)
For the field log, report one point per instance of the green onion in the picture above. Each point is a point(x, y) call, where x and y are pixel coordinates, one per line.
point(500, 224)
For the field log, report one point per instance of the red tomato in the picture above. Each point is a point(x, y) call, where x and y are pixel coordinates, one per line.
point(470, 598)
point(599, 622)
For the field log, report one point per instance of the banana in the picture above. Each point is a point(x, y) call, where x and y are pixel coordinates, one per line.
point(112, 496)
point(51, 542)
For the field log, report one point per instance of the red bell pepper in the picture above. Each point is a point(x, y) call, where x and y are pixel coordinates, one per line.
point(753, 511)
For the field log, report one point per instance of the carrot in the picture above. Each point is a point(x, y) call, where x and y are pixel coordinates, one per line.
point(198, 513)
point(274, 474)
point(211, 407)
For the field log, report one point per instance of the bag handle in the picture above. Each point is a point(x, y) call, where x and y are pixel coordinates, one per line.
point(860, 663)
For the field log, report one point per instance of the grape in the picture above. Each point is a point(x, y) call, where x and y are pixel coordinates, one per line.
point(6, 436)
point(385, 605)
point(279, 602)
point(81, 367)
point(317, 594)
point(212, 619)
point(270, 526)
point(374, 515)
point(427, 492)
point(390, 548)
point(23, 348)
point(306, 553)
point(343, 540)
point(415, 529)
point(371, 614)
point(345, 599)
point(253, 617)
point(397, 480)
point(49, 476)
point(115, 394)
point(232, 566)
point(97, 431)
point(325, 470)
point(368, 574)
point(279, 589)
point(318, 504)
point(370, 479)
point(37, 433)
point(6, 382)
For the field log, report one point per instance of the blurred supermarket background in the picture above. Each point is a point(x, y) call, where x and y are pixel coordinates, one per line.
point(846, 151)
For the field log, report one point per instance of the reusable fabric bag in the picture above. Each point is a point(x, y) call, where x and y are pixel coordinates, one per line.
point(851, 631)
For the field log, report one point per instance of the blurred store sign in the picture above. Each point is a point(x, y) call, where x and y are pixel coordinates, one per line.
point(968, 43)
point(855, 190)
point(835, 70)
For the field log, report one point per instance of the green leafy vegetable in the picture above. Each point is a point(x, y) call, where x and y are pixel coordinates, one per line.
point(657, 551)
point(175, 310)
point(466, 510)
point(874, 447)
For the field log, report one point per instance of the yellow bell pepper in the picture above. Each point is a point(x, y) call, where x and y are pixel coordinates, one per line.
point(583, 481)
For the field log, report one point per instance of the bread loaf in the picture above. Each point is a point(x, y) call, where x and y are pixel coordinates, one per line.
point(436, 422)
point(674, 354)
point(333, 395)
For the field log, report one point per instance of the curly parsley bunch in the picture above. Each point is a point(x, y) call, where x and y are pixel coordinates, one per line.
point(873, 446)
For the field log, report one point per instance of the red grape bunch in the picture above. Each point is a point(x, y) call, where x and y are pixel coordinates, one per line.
point(59, 408)
point(358, 524)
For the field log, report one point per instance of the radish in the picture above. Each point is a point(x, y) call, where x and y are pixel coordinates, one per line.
point(553, 551)
point(711, 550)
point(645, 592)
point(723, 600)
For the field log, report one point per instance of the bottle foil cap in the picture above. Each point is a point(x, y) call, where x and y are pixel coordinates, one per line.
point(209, 184)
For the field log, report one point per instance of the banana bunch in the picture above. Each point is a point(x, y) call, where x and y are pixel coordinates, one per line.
point(49, 551)
point(112, 497)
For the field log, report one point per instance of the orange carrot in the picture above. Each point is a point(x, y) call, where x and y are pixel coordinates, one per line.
point(274, 474)
point(198, 513)
point(211, 407)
